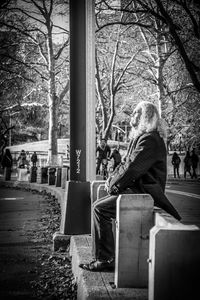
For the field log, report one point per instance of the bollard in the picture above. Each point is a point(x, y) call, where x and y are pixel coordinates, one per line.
point(39, 175)
point(64, 176)
point(51, 175)
point(33, 174)
point(58, 176)
point(42, 175)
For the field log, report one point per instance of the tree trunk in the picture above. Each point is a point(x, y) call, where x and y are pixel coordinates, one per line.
point(52, 151)
point(160, 64)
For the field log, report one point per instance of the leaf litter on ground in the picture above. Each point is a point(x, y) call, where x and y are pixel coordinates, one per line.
point(55, 280)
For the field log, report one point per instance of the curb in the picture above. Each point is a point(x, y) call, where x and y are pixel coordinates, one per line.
point(97, 285)
point(58, 192)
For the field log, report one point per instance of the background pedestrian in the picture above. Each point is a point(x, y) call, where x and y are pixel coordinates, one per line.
point(7, 163)
point(34, 159)
point(176, 164)
point(194, 162)
point(187, 164)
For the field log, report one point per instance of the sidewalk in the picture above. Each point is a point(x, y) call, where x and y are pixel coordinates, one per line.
point(20, 223)
point(28, 265)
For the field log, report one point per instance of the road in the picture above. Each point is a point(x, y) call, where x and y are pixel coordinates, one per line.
point(185, 196)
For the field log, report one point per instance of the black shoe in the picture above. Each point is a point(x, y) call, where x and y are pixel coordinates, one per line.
point(99, 266)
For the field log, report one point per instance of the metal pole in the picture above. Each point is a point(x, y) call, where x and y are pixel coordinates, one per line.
point(77, 207)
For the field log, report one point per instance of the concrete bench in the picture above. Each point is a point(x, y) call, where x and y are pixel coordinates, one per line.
point(174, 260)
point(135, 220)
point(23, 175)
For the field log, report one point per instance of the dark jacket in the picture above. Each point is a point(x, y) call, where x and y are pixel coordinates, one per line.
point(7, 160)
point(146, 170)
point(103, 153)
point(176, 160)
point(34, 158)
point(187, 161)
point(116, 156)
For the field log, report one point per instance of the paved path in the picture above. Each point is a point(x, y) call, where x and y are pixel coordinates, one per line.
point(20, 218)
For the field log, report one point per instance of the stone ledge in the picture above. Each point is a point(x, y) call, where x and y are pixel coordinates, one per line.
point(60, 241)
point(97, 285)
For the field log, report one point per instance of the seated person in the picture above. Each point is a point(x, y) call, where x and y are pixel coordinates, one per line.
point(144, 171)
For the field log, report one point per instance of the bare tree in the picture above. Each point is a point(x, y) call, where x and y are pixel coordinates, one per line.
point(45, 58)
point(169, 61)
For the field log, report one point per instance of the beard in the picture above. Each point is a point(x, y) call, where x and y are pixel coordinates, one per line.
point(134, 133)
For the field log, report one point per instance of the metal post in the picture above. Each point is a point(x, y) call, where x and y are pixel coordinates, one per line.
point(76, 218)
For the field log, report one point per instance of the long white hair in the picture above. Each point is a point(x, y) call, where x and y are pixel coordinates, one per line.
point(149, 121)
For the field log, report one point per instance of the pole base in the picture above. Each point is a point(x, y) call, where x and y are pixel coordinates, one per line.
point(76, 209)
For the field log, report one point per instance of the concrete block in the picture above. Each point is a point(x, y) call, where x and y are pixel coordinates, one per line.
point(60, 241)
point(94, 187)
point(58, 176)
point(64, 176)
point(174, 261)
point(23, 175)
point(133, 222)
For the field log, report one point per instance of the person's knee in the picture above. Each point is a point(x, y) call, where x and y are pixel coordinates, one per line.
point(96, 207)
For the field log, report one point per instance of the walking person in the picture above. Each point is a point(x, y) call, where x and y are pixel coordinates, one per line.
point(34, 159)
point(187, 164)
point(7, 163)
point(144, 171)
point(194, 162)
point(176, 164)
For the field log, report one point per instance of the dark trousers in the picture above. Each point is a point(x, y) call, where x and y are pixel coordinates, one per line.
point(194, 174)
point(7, 173)
point(98, 164)
point(185, 172)
point(103, 212)
point(176, 171)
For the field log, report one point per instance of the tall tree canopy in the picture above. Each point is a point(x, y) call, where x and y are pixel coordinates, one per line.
point(40, 59)
point(145, 50)
point(163, 39)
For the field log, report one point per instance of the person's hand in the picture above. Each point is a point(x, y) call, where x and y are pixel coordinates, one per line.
point(107, 183)
point(114, 190)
